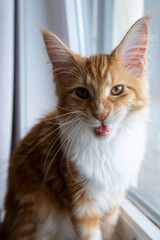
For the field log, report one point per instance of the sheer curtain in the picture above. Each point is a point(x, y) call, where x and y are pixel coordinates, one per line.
point(6, 88)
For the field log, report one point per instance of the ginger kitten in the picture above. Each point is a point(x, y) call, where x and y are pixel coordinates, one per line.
point(68, 175)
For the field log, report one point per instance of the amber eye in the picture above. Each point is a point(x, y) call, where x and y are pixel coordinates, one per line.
point(117, 90)
point(82, 93)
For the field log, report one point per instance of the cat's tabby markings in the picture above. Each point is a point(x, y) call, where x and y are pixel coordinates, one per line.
point(68, 175)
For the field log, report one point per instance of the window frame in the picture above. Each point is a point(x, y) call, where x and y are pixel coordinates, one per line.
point(144, 205)
point(134, 224)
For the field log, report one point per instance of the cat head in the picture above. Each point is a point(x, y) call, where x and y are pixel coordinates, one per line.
point(102, 91)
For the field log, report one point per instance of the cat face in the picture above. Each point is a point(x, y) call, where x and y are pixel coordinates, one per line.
point(103, 90)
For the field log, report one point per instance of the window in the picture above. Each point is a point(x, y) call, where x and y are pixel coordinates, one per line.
point(89, 26)
point(147, 192)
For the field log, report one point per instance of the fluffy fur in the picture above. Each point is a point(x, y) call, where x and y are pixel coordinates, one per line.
point(65, 181)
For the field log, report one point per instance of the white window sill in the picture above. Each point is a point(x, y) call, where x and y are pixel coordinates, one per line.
point(134, 225)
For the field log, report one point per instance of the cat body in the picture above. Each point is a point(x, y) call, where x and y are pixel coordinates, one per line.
point(69, 174)
point(101, 179)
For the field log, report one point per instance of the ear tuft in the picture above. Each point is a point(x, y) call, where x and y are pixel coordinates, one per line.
point(60, 56)
point(132, 50)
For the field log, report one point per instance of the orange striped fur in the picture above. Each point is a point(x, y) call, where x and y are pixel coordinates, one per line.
point(66, 176)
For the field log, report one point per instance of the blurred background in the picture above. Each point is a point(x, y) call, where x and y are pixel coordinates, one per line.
point(26, 81)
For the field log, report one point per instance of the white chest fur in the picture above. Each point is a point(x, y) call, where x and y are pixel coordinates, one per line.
point(108, 165)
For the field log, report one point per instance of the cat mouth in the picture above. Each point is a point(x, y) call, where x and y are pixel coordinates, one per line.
point(103, 130)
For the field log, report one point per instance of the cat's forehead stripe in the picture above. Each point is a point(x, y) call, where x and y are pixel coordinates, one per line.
point(109, 78)
point(103, 71)
point(93, 69)
point(88, 79)
point(98, 65)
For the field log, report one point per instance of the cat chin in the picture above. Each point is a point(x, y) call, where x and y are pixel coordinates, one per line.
point(103, 138)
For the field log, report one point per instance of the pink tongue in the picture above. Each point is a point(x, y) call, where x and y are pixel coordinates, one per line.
point(103, 130)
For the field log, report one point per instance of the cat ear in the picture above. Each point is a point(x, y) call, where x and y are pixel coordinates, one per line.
point(132, 50)
point(61, 57)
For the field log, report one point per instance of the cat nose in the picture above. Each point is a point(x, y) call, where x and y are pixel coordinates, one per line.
point(101, 117)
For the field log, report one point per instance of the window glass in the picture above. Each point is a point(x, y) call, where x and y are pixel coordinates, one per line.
point(146, 193)
point(148, 187)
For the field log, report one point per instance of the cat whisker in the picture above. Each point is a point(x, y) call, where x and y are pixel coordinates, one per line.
point(52, 144)
point(62, 144)
point(68, 109)
point(39, 143)
point(61, 124)
point(64, 153)
point(73, 138)
point(62, 115)
point(65, 72)
point(34, 140)
point(68, 70)
point(69, 73)
point(28, 146)
point(78, 67)
point(82, 73)
point(60, 52)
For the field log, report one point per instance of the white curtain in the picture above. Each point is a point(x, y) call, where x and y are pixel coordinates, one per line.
point(6, 87)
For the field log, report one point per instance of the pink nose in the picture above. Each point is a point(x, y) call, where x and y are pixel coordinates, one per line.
point(101, 117)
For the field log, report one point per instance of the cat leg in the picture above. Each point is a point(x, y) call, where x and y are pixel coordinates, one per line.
point(22, 219)
point(85, 219)
point(87, 227)
point(24, 225)
point(109, 222)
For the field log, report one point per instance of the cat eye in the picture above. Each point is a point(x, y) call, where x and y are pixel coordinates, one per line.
point(82, 93)
point(117, 90)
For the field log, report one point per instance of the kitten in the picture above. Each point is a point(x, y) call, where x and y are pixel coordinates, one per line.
point(68, 175)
